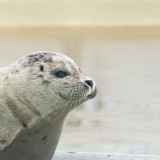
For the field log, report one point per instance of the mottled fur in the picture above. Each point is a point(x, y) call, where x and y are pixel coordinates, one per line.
point(29, 93)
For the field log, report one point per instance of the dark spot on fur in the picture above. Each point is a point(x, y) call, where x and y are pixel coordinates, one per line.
point(66, 83)
point(31, 70)
point(14, 71)
point(40, 75)
point(75, 75)
point(44, 138)
point(3, 141)
point(37, 112)
point(32, 61)
point(29, 133)
point(24, 124)
point(63, 65)
point(24, 64)
point(36, 132)
point(50, 60)
point(46, 81)
point(71, 152)
point(6, 77)
point(41, 68)
point(39, 57)
point(23, 141)
point(35, 59)
point(32, 55)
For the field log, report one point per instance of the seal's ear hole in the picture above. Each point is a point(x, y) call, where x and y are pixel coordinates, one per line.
point(79, 70)
point(41, 68)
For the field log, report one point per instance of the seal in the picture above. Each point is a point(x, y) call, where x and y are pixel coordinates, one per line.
point(36, 94)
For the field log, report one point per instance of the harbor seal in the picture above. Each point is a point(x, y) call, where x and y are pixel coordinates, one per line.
point(36, 94)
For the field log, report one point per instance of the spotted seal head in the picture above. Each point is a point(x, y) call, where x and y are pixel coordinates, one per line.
point(36, 94)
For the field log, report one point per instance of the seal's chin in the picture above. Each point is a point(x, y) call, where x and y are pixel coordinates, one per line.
point(93, 94)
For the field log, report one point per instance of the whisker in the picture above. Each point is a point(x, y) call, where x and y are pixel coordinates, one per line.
point(60, 108)
point(75, 104)
point(61, 113)
point(98, 100)
point(77, 59)
point(70, 108)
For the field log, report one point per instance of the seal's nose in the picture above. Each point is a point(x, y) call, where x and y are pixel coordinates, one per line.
point(89, 82)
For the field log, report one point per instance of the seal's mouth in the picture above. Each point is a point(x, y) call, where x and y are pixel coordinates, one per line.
point(90, 96)
point(93, 94)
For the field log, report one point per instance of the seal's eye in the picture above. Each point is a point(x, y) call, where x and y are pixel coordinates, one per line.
point(41, 68)
point(61, 74)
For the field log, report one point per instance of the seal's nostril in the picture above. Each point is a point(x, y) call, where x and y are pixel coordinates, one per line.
point(89, 82)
